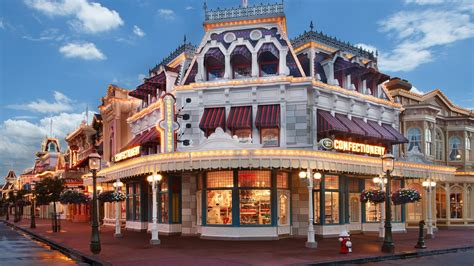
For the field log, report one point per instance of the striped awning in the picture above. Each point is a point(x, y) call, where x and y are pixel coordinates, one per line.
point(268, 116)
point(369, 131)
point(216, 54)
point(400, 138)
point(385, 134)
point(212, 119)
point(328, 123)
point(134, 142)
point(351, 125)
point(240, 117)
point(269, 47)
point(243, 51)
point(149, 136)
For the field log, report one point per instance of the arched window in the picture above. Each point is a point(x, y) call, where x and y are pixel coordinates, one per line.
point(414, 138)
point(428, 142)
point(454, 149)
point(456, 202)
point(415, 210)
point(52, 147)
point(214, 63)
point(440, 203)
point(439, 145)
point(241, 61)
point(268, 56)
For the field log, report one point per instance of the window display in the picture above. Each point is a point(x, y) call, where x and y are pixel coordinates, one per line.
point(440, 203)
point(372, 212)
point(270, 137)
point(282, 180)
point(331, 207)
point(456, 202)
point(254, 178)
point(219, 207)
point(283, 207)
point(220, 179)
point(255, 206)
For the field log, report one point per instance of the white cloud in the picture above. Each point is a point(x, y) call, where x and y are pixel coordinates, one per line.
point(87, 16)
point(47, 35)
point(166, 14)
point(367, 47)
point(415, 90)
point(419, 32)
point(139, 32)
point(189, 8)
point(141, 77)
point(61, 104)
point(86, 51)
point(20, 139)
point(2, 25)
point(424, 2)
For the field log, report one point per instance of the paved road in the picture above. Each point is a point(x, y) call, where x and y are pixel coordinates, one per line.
point(18, 249)
point(458, 259)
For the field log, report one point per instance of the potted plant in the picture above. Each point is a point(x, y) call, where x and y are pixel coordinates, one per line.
point(73, 197)
point(372, 195)
point(405, 195)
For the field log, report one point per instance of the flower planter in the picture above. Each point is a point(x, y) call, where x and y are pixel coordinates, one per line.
point(372, 195)
point(405, 195)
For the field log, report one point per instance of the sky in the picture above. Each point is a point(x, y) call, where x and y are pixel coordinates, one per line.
point(58, 56)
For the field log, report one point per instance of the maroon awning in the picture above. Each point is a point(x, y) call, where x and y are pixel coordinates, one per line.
point(240, 117)
point(212, 119)
point(328, 123)
point(400, 138)
point(134, 142)
point(268, 116)
point(351, 125)
point(216, 54)
point(369, 131)
point(385, 134)
point(151, 136)
point(242, 50)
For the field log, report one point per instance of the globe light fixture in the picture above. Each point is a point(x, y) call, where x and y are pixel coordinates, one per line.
point(317, 175)
point(302, 174)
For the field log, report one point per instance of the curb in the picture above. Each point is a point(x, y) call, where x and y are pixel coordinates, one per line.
point(69, 252)
point(406, 255)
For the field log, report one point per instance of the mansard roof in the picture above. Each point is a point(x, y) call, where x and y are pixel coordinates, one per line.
point(187, 48)
point(333, 42)
point(11, 175)
point(242, 13)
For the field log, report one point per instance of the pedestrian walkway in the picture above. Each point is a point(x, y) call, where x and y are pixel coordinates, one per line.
point(133, 248)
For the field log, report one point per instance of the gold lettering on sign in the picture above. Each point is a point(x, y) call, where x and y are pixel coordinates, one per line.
point(342, 145)
point(127, 154)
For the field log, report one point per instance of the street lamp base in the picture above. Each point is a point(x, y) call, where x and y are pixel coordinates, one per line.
point(311, 244)
point(118, 235)
point(155, 242)
point(95, 247)
point(388, 247)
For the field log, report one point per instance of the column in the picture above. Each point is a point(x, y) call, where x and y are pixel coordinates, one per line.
point(283, 68)
point(200, 76)
point(312, 55)
point(255, 64)
point(328, 67)
point(311, 242)
point(228, 67)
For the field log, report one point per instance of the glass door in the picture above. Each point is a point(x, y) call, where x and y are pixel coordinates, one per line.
point(283, 212)
point(354, 212)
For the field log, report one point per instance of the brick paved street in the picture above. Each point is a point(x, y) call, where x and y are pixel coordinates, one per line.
point(133, 248)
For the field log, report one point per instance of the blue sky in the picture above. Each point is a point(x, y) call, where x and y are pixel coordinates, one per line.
point(58, 56)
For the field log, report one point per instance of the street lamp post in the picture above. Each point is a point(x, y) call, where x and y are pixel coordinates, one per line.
point(118, 187)
point(429, 185)
point(17, 218)
point(311, 241)
point(381, 181)
point(154, 180)
point(94, 166)
point(387, 167)
point(32, 213)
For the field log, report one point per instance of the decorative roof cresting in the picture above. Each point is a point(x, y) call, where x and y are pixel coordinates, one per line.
point(256, 11)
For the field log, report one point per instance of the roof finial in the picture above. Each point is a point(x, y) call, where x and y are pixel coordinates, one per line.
point(376, 53)
point(311, 27)
point(184, 39)
point(245, 3)
point(205, 6)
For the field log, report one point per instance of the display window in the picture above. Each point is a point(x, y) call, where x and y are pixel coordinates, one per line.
point(219, 207)
point(133, 204)
point(283, 207)
point(282, 180)
point(270, 137)
point(331, 207)
point(254, 178)
point(163, 203)
point(456, 202)
point(372, 211)
point(255, 206)
point(137, 201)
point(220, 179)
point(440, 203)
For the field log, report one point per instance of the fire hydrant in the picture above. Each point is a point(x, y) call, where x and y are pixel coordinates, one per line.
point(346, 244)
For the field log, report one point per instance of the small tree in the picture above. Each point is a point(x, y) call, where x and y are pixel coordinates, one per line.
point(49, 190)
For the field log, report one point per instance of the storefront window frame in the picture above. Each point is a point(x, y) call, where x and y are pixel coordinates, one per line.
point(322, 199)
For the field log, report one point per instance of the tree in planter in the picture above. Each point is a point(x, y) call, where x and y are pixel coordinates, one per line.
point(49, 190)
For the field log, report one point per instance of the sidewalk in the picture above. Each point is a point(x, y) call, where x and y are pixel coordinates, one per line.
point(133, 248)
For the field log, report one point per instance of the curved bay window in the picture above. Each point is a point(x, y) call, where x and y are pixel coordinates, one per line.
point(440, 203)
point(214, 63)
point(268, 60)
point(456, 202)
point(454, 149)
point(241, 61)
point(439, 142)
point(219, 186)
point(414, 138)
point(254, 197)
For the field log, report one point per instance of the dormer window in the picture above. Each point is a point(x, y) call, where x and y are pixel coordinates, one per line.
point(268, 56)
point(214, 62)
point(241, 60)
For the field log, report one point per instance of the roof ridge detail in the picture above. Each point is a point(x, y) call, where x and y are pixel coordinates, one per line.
point(255, 11)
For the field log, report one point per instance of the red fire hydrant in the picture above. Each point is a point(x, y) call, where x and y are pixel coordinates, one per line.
point(346, 244)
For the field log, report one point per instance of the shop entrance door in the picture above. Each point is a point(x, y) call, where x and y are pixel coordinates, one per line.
point(283, 212)
point(354, 212)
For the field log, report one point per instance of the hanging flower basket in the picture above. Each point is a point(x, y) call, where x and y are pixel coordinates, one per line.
point(372, 195)
point(73, 197)
point(405, 195)
point(111, 196)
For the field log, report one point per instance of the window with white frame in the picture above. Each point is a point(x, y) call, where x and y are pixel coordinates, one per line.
point(468, 148)
point(439, 145)
point(454, 149)
point(428, 142)
point(414, 138)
